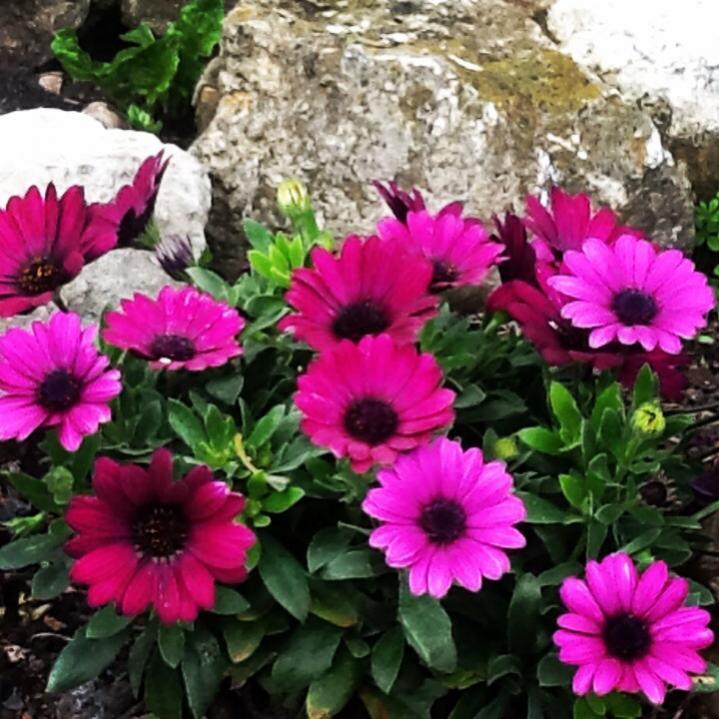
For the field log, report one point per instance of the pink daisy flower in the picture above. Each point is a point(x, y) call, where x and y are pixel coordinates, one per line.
point(372, 400)
point(182, 328)
point(134, 204)
point(447, 516)
point(630, 632)
point(633, 293)
point(458, 247)
point(569, 222)
point(44, 243)
point(359, 292)
point(398, 200)
point(148, 540)
point(52, 376)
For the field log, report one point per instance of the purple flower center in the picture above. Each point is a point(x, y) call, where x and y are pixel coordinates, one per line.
point(371, 420)
point(173, 347)
point(160, 530)
point(358, 319)
point(443, 521)
point(41, 275)
point(443, 274)
point(59, 391)
point(626, 637)
point(634, 307)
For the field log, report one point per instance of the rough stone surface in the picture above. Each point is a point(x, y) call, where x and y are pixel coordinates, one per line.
point(156, 13)
point(68, 148)
point(38, 314)
point(27, 27)
point(107, 280)
point(666, 57)
point(469, 99)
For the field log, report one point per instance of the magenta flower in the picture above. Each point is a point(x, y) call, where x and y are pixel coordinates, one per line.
point(52, 376)
point(148, 540)
point(628, 632)
point(570, 222)
point(45, 243)
point(458, 247)
point(180, 329)
point(399, 201)
point(360, 292)
point(633, 293)
point(134, 204)
point(521, 259)
point(447, 516)
point(372, 400)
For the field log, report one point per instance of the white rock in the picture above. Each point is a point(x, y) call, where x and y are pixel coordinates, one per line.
point(118, 274)
point(70, 148)
point(661, 48)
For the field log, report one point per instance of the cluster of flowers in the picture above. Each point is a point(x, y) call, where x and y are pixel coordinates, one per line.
point(144, 539)
point(583, 289)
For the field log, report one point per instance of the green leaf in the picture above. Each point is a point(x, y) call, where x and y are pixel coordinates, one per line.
point(163, 690)
point(279, 502)
point(50, 581)
point(327, 544)
point(428, 629)
point(242, 638)
point(610, 398)
point(209, 282)
point(552, 673)
point(83, 659)
point(171, 643)
point(541, 439)
point(33, 490)
point(556, 575)
point(540, 511)
point(329, 694)
point(229, 601)
point(106, 623)
point(258, 236)
point(574, 489)
point(266, 427)
point(523, 614)
point(139, 654)
point(644, 540)
point(707, 682)
point(334, 603)
point(645, 386)
point(623, 706)
point(356, 564)
point(202, 669)
point(30, 550)
point(582, 709)
point(501, 665)
point(609, 513)
point(186, 423)
point(307, 655)
point(566, 411)
point(227, 389)
point(387, 656)
point(596, 534)
point(284, 577)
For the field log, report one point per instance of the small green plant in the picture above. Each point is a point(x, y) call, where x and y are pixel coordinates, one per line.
point(154, 77)
point(707, 235)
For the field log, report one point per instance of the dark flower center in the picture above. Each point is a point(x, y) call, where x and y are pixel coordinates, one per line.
point(59, 391)
point(634, 307)
point(160, 530)
point(358, 319)
point(626, 637)
point(173, 347)
point(443, 273)
point(41, 275)
point(443, 521)
point(371, 420)
point(654, 493)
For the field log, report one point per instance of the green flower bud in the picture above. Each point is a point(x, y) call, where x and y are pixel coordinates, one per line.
point(506, 448)
point(293, 198)
point(649, 419)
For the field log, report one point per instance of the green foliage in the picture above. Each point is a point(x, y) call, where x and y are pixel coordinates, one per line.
point(153, 77)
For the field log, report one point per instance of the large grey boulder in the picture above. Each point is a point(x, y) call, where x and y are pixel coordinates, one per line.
point(470, 99)
point(71, 148)
point(664, 54)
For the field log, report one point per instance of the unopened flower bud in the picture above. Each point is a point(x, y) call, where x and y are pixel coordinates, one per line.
point(293, 198)
point(506, 448)
point(649, 419)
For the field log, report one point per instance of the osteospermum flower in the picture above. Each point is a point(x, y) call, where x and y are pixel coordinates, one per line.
point(520, 258)
point(570, 221)
point(399, 201)
point(633, 293)
point(458, 247)
point(146, 540)
point(630, 632)
point(369, 288)
point(175, 255)
point(53, 376)
point(447, 516)
point(45, 242)
point(134, 204)
point(372, 400)
point(180, 329)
